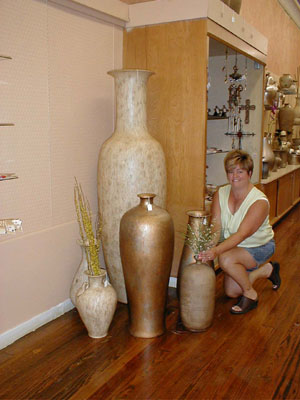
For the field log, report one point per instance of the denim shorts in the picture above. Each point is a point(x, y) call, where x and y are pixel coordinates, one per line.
point(261, 254)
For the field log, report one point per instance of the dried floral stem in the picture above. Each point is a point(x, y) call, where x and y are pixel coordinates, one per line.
point(201, 238)
point(90, 241)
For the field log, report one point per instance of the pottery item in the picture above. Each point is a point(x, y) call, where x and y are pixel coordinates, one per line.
point(294, 159)
point(265, 170)
point(196, 219)
point(286, 81)
point(96, 303)
point(131, 161)
point(80, 276)
point(286, 118)
point(146, 245)
point(197, 296)
point(268, 154)
point(296, 141)
point(297, 111)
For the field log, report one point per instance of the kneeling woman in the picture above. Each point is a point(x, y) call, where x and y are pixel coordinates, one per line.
point(241, 212)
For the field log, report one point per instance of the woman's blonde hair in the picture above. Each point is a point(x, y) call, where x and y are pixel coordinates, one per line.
point(238, 157)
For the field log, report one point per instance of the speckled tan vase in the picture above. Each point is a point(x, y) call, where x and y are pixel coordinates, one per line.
point(80, 276)
point(131, 161)
point(96, 303)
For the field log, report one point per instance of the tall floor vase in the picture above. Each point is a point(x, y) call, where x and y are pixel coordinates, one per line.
point(131, 161)
point(147, 244)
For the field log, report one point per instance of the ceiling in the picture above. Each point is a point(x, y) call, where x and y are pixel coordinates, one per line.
point(292, 8)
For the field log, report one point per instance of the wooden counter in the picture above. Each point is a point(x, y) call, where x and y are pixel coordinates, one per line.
point(283, 190)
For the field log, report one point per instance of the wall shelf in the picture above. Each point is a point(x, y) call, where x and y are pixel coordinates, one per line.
point(213, 117)
point(5, 57)
point(6, 124)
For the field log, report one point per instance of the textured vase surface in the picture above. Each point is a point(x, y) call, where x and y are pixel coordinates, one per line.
point(197, 296)
point(131, 161)
point(196, 219)
point(96, 303)
point(80, 276)
point(147, 244)
point(286, 118)
point(297, 111)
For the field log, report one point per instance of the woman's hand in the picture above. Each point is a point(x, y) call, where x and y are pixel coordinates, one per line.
point(208, 255)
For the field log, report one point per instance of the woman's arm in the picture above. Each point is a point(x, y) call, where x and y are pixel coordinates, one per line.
point(254, 218)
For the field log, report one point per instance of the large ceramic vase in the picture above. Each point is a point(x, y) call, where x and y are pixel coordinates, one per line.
point(96, 303)
point(197, 296)
point(297, 111)
point(131, 161)
point(286, 118)
point(80, 276)
point(196, 220)
point(147, 244)
point(268, 157)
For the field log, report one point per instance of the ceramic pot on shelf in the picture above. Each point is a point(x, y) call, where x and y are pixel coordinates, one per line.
point(196, 219)
point(197, 296)
point(131, 161)
point(268, 155)
point(297, 111)
point(146, 246)
point(286, 81)
point(286, 118)
point(96, 303)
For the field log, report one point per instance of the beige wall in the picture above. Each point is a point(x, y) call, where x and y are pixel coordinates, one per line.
point(61, 100)
point(269, 18)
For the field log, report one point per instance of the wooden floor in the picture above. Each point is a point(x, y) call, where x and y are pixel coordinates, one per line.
point(253, 356)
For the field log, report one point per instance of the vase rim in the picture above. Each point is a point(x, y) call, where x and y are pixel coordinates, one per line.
point(198, 213)
point(102, 273)
point(146, 195)
point(115, 71)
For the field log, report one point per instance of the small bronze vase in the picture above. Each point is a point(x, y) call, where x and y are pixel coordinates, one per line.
point(146, 248)
point(197, 296)
point(196, 219)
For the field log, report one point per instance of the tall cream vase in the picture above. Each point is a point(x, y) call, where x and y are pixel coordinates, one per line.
point(131, 161)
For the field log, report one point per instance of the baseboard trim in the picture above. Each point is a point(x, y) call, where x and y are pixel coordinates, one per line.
point(34, 323)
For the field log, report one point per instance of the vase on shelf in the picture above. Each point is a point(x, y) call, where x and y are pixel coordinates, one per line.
point(268, 157)
point(197, 296)
point(96, 303)
point(286, 118)
point(196, 219)
point(131, 161)
point(297, 111)
point(146, 246)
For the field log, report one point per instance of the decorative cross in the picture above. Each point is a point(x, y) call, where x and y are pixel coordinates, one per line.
point(247, 107)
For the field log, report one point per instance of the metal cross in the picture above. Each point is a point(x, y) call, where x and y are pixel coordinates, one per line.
point(247, 107)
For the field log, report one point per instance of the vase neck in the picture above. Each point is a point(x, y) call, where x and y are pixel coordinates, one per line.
point(97, 280)
point(146, 199)
point(131, 98)
point(198, 218)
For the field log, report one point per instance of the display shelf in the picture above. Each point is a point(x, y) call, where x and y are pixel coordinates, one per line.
point(8, 226)
point(217, 152)
point(212, 117)
point(7, 176)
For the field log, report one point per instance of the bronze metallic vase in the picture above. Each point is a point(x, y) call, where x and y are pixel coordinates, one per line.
point(197, 296)
point(146, 248)
point(196, 219)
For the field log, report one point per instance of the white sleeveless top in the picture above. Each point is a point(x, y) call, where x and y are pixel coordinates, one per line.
point(231, 222)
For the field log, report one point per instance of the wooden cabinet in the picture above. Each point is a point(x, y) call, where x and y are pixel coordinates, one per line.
point(177, 105)
point(296, 186)
point(283, 193)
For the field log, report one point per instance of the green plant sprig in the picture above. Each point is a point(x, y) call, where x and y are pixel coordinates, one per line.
point(90, 240)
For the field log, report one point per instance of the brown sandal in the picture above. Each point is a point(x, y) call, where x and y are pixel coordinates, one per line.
point(245, 305)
